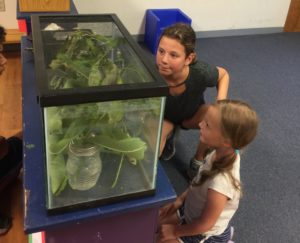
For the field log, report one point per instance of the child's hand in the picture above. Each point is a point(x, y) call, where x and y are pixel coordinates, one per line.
point(167, 232)
point(170, 208)
point(166, 210)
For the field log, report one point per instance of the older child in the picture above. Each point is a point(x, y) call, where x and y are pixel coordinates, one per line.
point(187, 79)
point(10, 153)
point(203, 212)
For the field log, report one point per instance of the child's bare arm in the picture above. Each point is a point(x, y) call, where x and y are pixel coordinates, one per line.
point(223, 84)
point(214, 206)
point(172, 207)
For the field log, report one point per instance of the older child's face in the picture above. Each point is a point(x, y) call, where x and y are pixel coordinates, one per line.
point(170, 57)
point(210, 131)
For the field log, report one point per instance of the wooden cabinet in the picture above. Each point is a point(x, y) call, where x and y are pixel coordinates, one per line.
point(292, 23)
point(44, 5)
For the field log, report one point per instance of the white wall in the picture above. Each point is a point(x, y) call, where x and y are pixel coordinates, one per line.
point(206, 15)
point(8, 19)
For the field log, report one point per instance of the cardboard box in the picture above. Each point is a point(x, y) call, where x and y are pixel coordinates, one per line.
point(44, 5)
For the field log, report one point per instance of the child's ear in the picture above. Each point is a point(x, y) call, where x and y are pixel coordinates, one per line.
point(190, 58)
point(227, 143)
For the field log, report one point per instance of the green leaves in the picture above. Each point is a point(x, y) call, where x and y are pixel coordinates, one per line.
point(111, 75)
point(132, 147)
point(57, 145)
point(96, 75)
point(58, 178)
point(85, 61)
point(54, 123)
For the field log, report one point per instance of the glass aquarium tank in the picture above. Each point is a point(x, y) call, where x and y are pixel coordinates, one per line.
point(102, 105)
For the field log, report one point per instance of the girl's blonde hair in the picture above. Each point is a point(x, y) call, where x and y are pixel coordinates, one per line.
point(239, 124)
point(184, 34)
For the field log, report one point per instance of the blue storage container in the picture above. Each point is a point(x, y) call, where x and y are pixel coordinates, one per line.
point(157, 20)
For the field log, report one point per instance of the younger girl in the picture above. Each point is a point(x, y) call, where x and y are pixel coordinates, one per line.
point(203, 212)
point(187, 79)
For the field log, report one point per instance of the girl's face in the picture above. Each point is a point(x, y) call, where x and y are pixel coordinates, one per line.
point(210, 130)
point(171, 58)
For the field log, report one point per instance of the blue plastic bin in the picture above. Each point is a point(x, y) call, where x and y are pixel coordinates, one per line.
point(157, 20)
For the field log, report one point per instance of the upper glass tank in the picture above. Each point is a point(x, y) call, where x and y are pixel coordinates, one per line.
point(102, 104)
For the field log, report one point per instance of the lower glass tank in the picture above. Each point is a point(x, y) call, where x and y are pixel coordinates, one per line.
point(101, 152)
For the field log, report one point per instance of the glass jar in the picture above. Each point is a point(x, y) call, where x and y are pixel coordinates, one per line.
point(83, 167)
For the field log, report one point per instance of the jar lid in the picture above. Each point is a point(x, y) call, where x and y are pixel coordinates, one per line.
point(83, 149)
